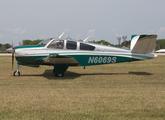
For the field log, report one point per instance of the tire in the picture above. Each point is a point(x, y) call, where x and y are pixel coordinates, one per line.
point(59, 75)
point(16, 73)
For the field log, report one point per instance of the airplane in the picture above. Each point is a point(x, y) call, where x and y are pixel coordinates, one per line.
point(62, 53)
point(160, 51)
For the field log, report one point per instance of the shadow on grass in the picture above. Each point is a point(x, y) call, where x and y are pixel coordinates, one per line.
point(72, 75)
point(50, 75)
point(140, 73)
point(68, 75)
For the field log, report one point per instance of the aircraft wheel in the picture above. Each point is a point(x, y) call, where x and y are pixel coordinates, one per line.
point(59, 75)
point(16, 73)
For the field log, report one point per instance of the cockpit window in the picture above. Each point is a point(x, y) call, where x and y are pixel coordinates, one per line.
point(45, 42)
point(71, 45)
point(86, 47)
point(57, 44)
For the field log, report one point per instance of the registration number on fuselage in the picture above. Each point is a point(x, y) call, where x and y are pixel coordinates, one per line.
point(101, 60)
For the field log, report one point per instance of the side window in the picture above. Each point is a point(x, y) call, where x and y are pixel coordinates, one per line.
point(71, 45)
point(86, 47)
point(57, 44)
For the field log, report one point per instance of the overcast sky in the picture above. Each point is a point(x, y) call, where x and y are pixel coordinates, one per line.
point(100, 19)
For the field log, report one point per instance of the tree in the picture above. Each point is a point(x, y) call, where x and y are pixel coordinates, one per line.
point(160, 44)
point(80, 40)
point(126, 43)
point(35, 42)
point(7, 45)
point(103, 42)
point(1, 45)
point(31, 42)
point(26, 42)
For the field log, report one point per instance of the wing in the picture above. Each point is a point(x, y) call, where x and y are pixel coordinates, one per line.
point(59, 59)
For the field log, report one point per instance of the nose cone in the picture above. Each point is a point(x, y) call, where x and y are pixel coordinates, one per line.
point(11, 50)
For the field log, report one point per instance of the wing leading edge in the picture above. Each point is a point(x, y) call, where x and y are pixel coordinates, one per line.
point(60, 59)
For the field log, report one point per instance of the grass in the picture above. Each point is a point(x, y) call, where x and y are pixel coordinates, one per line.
point(131, 90)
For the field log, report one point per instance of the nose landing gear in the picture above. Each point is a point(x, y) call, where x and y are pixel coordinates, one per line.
point(17, 73)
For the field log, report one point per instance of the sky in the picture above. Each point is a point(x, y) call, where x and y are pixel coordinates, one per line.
point(99, 19)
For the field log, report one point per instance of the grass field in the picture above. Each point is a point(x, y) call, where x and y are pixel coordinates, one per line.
point(131, 90)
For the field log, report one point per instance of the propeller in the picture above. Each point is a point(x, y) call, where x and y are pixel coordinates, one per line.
point(12, 60)
point(12, 50)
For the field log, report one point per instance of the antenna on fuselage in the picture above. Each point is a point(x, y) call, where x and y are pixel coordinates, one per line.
point(61, 35)
point(86, 39)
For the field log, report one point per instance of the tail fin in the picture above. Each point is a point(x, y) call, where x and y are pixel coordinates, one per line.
point(143, 43)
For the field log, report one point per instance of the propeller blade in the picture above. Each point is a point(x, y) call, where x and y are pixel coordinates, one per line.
point(12, 60)
point(12, 50)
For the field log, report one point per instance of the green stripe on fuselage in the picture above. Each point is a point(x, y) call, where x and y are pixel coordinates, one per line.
point(31, 46)
point(84, 60)
point(87, 60)
point(31, 59)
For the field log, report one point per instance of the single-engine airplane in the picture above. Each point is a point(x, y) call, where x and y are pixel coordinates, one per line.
point(62, 53)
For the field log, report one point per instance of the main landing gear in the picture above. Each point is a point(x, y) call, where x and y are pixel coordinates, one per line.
point(56, 74)
point(59, 70)
point(17, 73)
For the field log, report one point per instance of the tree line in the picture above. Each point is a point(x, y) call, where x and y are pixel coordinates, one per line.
point(4, 47)
point(160, 44)
point(23, 43)
point(31, 42)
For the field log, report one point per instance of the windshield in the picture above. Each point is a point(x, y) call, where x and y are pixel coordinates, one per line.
point(57, 44)
point(45, 42)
